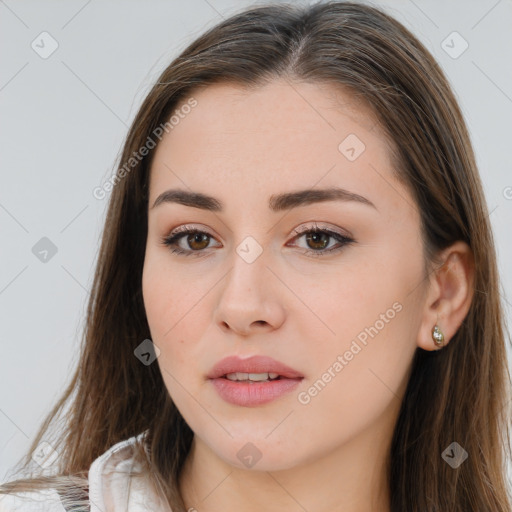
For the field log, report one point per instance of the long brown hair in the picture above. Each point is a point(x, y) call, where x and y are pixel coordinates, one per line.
point(460, 393)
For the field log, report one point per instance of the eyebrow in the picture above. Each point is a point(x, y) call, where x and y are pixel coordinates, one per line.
point(277, 202)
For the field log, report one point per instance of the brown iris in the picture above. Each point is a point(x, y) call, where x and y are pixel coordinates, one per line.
point(318, 238)
point(201, 238)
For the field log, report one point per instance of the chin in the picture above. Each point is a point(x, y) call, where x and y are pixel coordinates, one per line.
point(255, 454)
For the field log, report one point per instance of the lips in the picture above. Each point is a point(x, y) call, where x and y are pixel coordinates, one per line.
point(247, 393)
point(254, 364)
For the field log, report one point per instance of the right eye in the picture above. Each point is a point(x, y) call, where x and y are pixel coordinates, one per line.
point(194, 237)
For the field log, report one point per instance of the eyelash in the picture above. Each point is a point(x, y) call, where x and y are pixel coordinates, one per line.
point(172, 239)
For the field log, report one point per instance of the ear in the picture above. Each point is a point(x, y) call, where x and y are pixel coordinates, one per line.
point(449, 295)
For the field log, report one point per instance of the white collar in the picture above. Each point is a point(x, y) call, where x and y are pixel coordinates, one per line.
point(116, 482)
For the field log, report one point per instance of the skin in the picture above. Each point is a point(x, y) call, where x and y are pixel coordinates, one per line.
point(242, 147)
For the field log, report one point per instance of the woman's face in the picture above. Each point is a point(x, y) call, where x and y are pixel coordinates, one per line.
point(343, 313)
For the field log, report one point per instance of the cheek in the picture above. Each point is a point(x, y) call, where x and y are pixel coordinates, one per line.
point(168, 295)
point(164, 310)
point(156, 298)
point(354, 383)
point(174, 307)
point(370, 314)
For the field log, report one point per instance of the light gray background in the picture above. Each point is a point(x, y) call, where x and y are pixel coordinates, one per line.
point(63, 120)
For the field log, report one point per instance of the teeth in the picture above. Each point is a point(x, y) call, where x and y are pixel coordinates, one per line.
point(257, 377)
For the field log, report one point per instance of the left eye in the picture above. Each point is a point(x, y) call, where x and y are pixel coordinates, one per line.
point(199, 240)
point(318, 239)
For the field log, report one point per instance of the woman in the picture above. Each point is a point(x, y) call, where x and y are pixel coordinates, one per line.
point(296, 301)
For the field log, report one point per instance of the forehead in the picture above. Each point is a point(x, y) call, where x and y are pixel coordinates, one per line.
point(300, 108)
point(281, 136)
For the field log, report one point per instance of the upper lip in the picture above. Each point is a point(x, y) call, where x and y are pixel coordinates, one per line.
point(253, 364)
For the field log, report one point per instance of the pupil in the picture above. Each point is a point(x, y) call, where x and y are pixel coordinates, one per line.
point(316, 237)
point(196, 238)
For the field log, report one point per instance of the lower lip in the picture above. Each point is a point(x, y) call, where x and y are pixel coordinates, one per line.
point(249, 394)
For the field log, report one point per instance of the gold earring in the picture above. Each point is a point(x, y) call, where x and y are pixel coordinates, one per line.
point(437, 336)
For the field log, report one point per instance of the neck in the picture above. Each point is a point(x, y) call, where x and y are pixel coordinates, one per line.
point(352, 477)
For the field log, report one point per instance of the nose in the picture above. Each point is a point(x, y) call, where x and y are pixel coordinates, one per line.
point(251, 298)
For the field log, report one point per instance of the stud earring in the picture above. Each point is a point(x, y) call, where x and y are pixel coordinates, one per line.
point(438, 336)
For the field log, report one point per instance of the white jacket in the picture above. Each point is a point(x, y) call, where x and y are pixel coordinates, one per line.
point(111, 489)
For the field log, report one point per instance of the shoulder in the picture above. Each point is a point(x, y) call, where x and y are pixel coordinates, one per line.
point(47, 500)
point(116, 481)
